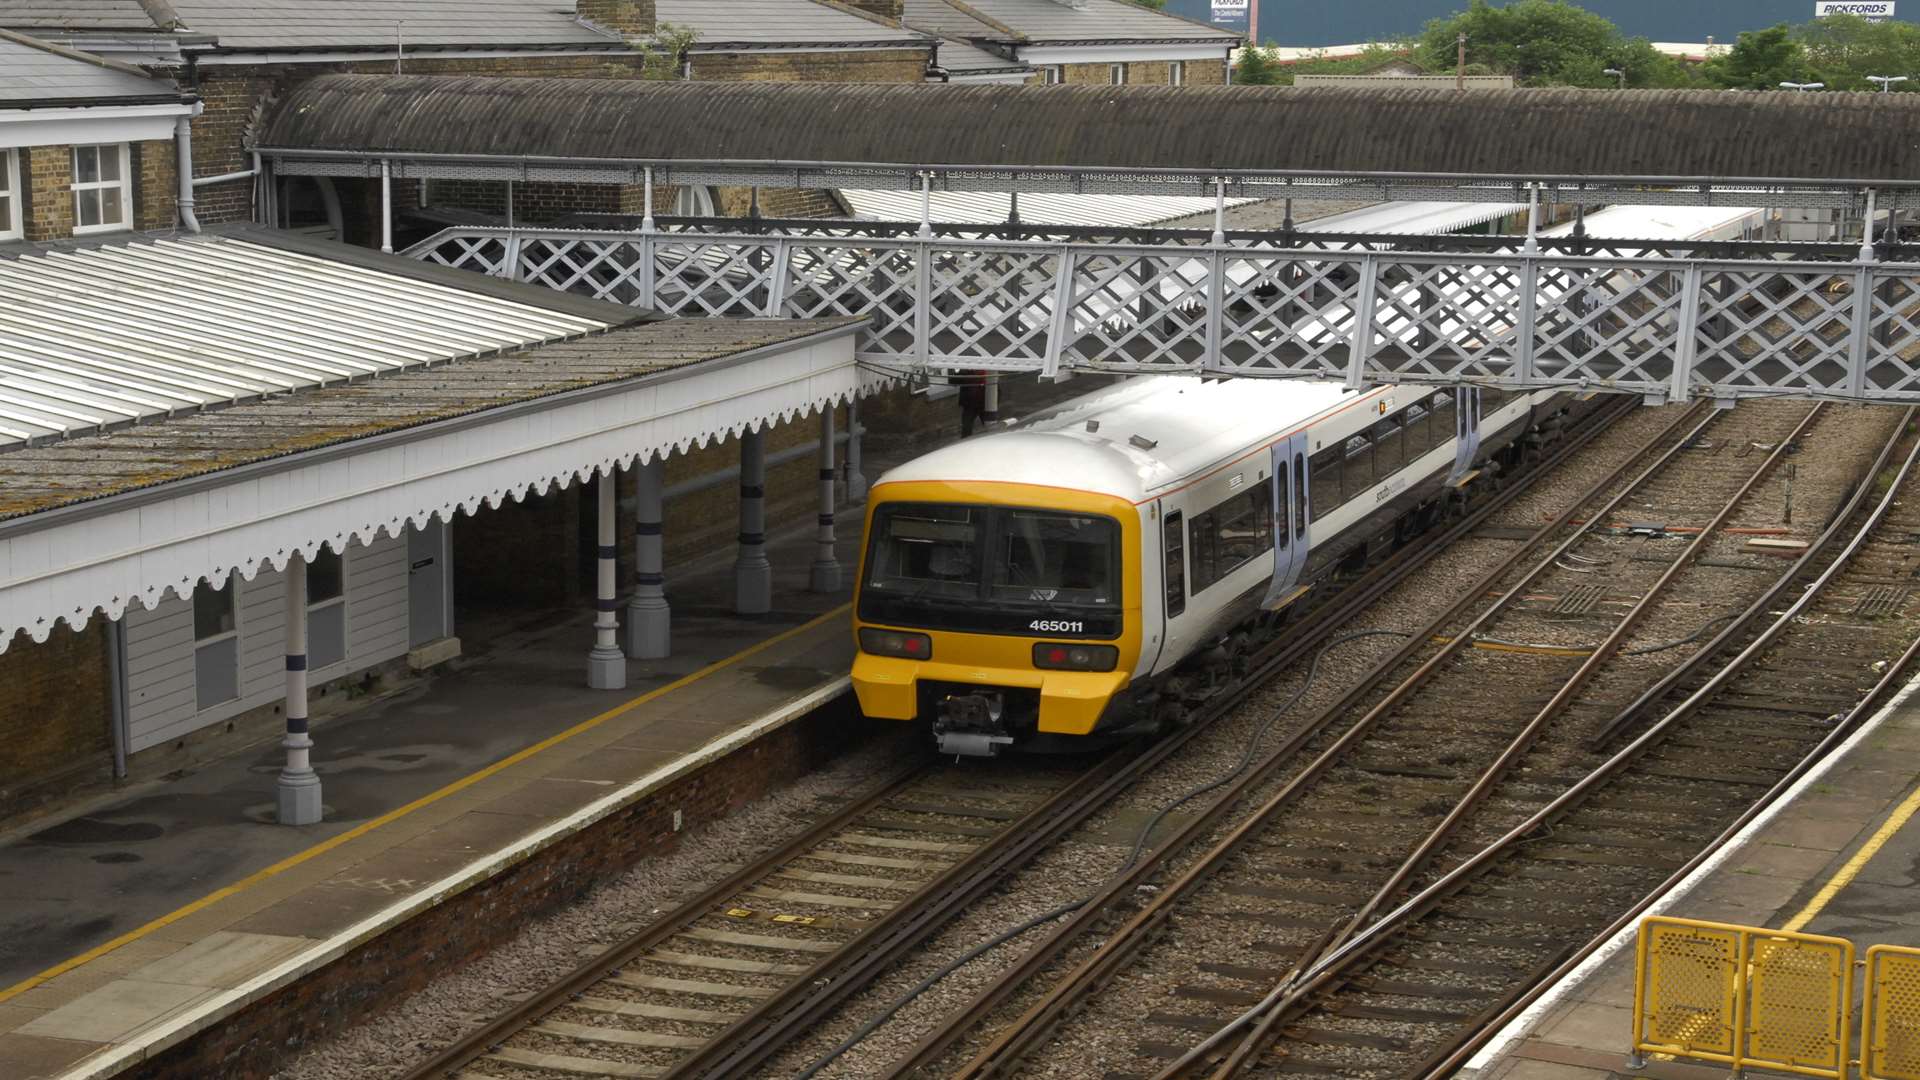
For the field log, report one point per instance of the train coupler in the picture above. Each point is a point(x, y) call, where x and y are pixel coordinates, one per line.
point(970, 725)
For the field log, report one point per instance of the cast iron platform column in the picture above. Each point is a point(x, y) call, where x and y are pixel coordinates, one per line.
point(298, 786)
point(606, 664)
point(649, 616)
point(826, 565)
point(752, 573)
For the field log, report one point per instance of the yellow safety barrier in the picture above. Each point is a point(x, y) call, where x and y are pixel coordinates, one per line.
point(1743, 995)
point(1890, 1024)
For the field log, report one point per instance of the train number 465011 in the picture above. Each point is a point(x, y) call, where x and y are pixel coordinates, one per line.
point(1057, 626)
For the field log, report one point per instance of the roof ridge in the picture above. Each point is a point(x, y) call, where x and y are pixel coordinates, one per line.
point(975, 13)
point(162, 14)
point(870, 16)
point(75, 54)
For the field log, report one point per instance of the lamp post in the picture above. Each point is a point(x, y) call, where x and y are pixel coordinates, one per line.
point(1618, 74)
point(1803, 86)
point(1886, 81)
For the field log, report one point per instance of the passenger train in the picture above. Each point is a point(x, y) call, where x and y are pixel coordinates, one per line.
point(1082, 573)
point(1058, 578)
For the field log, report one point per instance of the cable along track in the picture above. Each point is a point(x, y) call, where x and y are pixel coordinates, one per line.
point(724, 981)
point(1615, 816)
point(1344, 836)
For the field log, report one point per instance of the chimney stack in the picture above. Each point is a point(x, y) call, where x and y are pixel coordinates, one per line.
point(629, 18)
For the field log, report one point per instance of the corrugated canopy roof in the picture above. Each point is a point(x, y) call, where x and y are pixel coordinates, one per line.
point(35, 74)
point(777, 23)
point(1544, 133)
point(34, 479)
point(98, 336)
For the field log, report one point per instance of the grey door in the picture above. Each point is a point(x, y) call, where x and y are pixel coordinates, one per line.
point(428, 572)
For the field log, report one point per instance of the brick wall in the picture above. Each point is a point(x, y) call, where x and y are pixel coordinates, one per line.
point(1149, 73)
point(56, 709)
point(269, 1033)
point(156, 189)
point(871, 66)
point(47, 176)
point(233, 94)
point(623, 16)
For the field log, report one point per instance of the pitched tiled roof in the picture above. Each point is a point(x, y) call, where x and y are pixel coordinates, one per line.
point(45, 15)
point(775, 23)
point(35, 73)
point(349, 24)
point(1051, 21)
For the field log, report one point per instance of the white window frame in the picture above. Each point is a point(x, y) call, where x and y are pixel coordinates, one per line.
point(1056, 74)
point(1117, 74)
point(124, 184)
point(204, 644)
point(10, 195)
point(339, 601)
point(1176, 73)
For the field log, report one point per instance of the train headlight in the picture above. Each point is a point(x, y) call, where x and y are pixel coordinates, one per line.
point(895, 643)
point(1067, 656)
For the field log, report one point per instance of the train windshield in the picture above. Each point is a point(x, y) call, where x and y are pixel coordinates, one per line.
point(991, 569)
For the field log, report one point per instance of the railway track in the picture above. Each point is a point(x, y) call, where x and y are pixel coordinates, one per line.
point(717, 986)
point(1576, 850)
point(1401, 787)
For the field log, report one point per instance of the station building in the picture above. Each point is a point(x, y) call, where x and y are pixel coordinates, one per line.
point(120, 119)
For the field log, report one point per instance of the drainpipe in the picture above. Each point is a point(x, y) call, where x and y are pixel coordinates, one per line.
point(183, 142)
point(117, 684)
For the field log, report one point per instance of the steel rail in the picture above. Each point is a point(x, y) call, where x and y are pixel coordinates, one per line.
point(1496, 772)
point(1334, 965)
point(936, 1043)
point(1447, 1060)
point(836, 976)
point(470, 1046)
point(1023, 1035)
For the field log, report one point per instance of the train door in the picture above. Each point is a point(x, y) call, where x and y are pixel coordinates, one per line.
point(1466, 431)
point(1173, 581)
point(1289, 520)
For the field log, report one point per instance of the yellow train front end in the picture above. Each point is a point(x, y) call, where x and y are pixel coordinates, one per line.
point(996, 611)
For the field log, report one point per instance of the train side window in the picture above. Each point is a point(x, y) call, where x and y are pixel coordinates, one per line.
point(1326, 482)
point(1176, 572)
point(1226, 537)
point(1299, 497)
point(1280, 507)
point(1356, 471)
point(1389, 447)
point(1415, 420)
point(1444, 423)
point(1493, 399)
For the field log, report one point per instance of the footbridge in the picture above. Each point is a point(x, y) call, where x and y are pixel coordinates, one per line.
point(1664, 320)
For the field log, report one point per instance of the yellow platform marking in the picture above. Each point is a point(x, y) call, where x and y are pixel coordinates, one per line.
point(424, 801)
point(1852, 867)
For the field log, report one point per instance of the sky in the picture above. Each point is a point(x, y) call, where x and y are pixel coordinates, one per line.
point(1342, 22)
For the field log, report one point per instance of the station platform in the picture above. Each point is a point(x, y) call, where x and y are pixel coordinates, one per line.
point(1836, 856)
point(153, 914)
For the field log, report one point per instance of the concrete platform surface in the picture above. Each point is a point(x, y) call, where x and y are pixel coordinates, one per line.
point(150, 915)
point(1836, 857)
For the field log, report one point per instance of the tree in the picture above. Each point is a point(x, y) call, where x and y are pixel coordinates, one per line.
point(660, 55)
point(1258, 67)
point(1760, 60)
point(1842, 50)
point(1546, 43)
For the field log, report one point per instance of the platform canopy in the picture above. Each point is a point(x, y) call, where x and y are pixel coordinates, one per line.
point(242, 396)
point(1633, 145)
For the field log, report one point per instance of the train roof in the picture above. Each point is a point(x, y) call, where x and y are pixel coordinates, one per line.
point(1186, 427)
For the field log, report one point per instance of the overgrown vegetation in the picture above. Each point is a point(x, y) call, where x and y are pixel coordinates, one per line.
point(1556, 43)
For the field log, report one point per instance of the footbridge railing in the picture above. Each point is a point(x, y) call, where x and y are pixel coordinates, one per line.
point(1630, 320)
